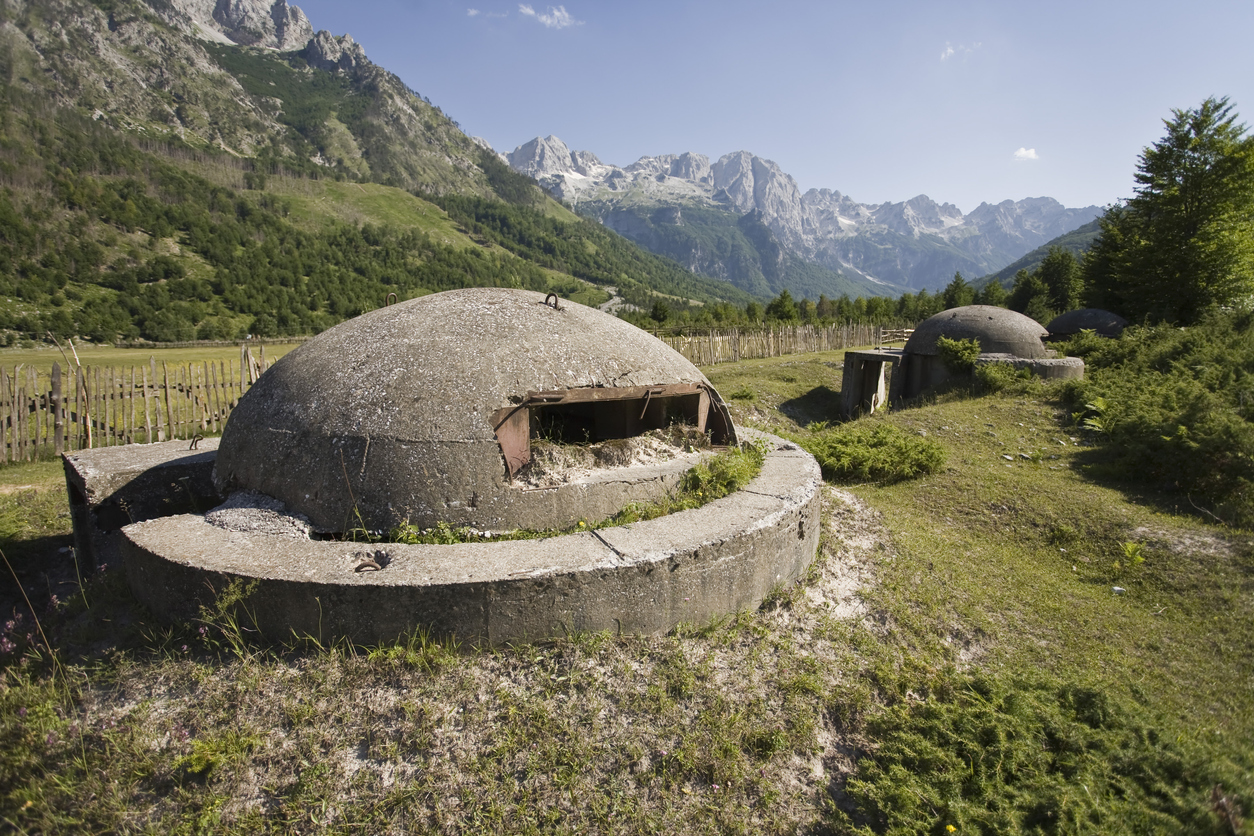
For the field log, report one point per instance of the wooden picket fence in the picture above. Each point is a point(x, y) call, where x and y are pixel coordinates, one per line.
point(80, 407)
point(728, 346)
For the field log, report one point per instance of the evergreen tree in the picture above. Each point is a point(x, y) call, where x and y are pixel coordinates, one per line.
point(992, 294)
point(1185, 242)
point(807, 311)
point(782, 307)
point(1030, 296)
point(1060, 273)
point(958, 293)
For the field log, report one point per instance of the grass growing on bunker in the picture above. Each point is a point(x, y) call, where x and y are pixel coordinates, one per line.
point(958, 657)
point(714, 477)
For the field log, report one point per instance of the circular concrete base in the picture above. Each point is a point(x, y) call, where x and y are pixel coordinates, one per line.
point(642, 578)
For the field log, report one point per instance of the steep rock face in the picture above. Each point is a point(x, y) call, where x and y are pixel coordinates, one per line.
point(153, 68)
point(753, 184)
point(327, 52)
point(124, 70)
point(272, 24)
point(916, 243)
point(541, 158)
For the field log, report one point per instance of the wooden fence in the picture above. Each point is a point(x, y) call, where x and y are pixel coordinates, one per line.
point(79, 407)
point(728, 346)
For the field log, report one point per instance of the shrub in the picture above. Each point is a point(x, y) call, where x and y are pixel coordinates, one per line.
point(1175, 407)
point(984, 754)
point(996, 377)
point(872, 451)
point(958, 356)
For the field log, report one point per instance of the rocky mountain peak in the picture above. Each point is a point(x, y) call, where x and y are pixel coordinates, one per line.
point(918, 242)
point(541, 158)
point(272, 24)
point(334, 53)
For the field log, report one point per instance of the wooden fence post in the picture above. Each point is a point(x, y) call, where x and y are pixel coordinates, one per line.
point(58, 415)
point(143, 370)
point(169, 402)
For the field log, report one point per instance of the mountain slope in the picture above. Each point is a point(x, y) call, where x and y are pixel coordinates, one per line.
point(150, 69)
point(1077, 242)
point(162, 182)
point(874, 248)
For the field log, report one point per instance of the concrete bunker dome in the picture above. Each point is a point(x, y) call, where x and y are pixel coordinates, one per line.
point(423, 412)
point(999, 331)
point(1103, 323)
point(1004, 336)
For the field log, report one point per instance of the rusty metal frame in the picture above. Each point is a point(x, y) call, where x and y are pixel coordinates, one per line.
point(512, 424)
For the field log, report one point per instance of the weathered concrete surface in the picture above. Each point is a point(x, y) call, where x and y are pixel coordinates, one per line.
point(114, 486)
point(1000, 331)
point(863, 386)
point(1050, 368)
point(642, 578)
point(1104, 323)
point(388, 416)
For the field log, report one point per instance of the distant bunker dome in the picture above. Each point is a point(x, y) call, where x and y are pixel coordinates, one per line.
point(1103, 323)
point(1004, 337)
point(999, 331)
point(427, 411)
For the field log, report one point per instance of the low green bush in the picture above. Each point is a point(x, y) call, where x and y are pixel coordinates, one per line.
point(872, 451)
point(998, 377)
point(1174, 407)
point(1001, 755)
point(958, 356)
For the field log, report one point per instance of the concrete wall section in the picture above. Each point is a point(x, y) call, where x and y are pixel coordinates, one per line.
point(114, 486)
point(643, 578)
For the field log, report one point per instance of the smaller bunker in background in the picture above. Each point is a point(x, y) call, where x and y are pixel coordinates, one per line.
point(1004, 337)
point(1103, 323)
point(998, 330)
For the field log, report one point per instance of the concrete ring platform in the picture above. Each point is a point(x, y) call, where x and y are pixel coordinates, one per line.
point(641, 578)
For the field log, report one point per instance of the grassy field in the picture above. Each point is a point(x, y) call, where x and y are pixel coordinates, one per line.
point(123, 358)
point(1006, 645)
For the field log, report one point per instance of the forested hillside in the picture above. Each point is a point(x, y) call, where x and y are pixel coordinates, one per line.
point(164, 209)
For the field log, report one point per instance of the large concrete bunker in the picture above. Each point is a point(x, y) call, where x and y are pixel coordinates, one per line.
point(427, 413)
point(424, 412)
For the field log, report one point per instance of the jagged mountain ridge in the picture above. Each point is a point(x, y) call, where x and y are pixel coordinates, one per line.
point(175, 68)
point(917, 243)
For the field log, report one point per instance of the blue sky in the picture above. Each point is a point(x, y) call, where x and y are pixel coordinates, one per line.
point(964, 101)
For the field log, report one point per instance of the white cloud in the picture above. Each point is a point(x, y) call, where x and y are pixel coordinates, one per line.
point(472, 12)
point(1026, 154)
point(961, 50)
point(553, 18)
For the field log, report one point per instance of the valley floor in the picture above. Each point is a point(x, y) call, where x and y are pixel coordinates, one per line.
point(962, 607)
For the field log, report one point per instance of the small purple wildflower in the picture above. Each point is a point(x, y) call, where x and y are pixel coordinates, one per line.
point(6, 646)
point(21, 712)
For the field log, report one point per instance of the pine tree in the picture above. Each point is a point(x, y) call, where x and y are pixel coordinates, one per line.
point(1185, 242)
point(958, 293)
point(1060, 273)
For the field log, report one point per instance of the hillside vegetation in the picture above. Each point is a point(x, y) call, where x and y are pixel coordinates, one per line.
point(107, 239)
